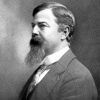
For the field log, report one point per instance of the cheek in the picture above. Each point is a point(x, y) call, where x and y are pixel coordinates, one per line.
point(46, 34)
point(50, 34)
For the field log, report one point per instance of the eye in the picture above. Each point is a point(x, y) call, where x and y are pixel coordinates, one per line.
point(32, 24)
point(42, 25)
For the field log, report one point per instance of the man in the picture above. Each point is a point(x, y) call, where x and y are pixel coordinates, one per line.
point(60, 75)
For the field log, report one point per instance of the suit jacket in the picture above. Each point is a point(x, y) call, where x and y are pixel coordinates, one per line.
point(67, 79)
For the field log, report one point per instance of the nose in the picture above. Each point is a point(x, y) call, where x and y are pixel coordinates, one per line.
point(35, 30)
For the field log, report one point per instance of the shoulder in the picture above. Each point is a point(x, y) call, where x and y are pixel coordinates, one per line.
point(77, 80)
point(76, 69)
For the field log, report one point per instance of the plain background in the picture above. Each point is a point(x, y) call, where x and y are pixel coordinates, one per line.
point(15, 34)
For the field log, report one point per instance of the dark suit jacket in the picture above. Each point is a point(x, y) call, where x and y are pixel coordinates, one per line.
point(67, 79)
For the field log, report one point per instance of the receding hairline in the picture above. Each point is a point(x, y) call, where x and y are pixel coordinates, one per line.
point(48, 5)
point(52, 5)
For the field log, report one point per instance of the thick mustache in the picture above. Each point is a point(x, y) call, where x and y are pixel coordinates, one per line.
point(34, 35)
point(36, 40)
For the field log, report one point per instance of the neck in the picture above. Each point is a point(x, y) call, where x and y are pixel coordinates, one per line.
point(51, 50)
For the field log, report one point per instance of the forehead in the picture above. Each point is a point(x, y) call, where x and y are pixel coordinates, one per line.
point(45, 15)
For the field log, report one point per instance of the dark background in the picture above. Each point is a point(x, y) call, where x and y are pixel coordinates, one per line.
point(15, 34)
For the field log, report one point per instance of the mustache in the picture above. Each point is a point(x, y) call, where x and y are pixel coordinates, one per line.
point(36, 40)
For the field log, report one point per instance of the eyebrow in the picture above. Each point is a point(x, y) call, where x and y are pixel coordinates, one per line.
point(43, 23)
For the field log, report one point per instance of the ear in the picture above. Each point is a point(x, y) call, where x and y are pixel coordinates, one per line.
point(65, 33)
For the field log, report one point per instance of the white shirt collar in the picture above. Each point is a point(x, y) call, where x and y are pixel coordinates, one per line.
point(52, 58)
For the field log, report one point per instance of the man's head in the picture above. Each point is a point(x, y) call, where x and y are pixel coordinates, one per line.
point(64, 17)
point(52, 24)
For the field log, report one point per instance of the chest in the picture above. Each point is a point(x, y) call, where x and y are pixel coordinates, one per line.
point(49, 86)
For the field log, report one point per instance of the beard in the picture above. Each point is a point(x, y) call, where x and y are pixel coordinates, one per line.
point(36, 53)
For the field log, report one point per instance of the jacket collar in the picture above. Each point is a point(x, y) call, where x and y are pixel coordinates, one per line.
point(63, 63)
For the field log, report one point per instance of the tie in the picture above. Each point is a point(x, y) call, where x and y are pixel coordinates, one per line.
point(31, 84)
point(35, 81)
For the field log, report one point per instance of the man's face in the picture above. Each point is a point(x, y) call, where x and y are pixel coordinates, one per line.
point(45, 36)
point(45, 28)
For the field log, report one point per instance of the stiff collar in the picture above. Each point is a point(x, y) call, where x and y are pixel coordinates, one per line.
point(52, 58)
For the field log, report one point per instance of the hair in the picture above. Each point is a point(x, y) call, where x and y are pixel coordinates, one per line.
point(64, 16)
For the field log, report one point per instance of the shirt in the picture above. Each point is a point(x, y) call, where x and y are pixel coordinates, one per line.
point(48, 60)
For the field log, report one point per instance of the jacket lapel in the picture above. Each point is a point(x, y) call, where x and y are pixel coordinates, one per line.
point(54, 75)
